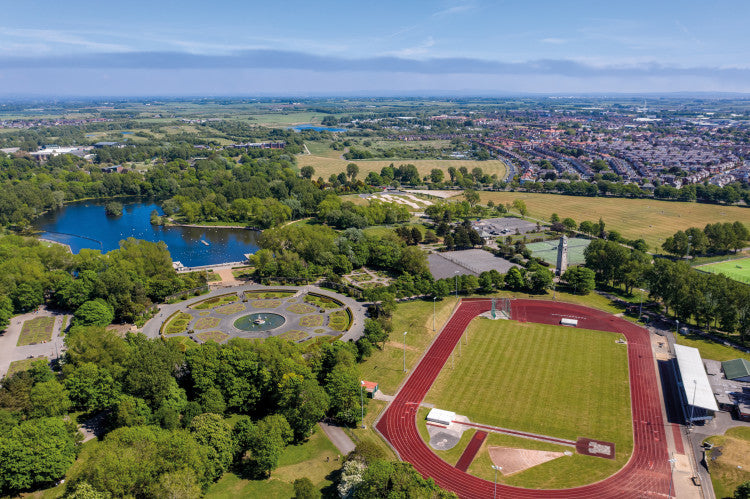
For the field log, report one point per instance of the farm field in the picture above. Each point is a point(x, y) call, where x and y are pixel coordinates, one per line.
point(739, 270)
point(555, 381)
point(649, 219)
point(547, 250)
point(325, 166)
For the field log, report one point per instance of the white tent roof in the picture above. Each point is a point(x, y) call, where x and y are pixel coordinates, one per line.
point(694, 379)
point(441, 417)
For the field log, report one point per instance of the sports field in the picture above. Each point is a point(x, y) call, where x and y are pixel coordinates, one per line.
point(556, 381)
point(739, 270)
point(547, 250)
point(649, 219)
point(325, 166)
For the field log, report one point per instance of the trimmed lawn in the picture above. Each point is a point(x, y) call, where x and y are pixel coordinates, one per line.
point(649, 219)
point(232, 308)
point(732, 467)
point(710, 349)
point(301, 308)
point(214, 302)
point(311, 320)
point(37, 330)
point(373, 408)
point(297, 461)
point(252, 295)
point(339, 320)
point(552, 380)
point(561, 473)
point(265, 303)
point(177, 323)
point(323, 301)
point(739, 270)
point(216, 336)
point(18, 366)
point(450, 456)
point(183, 342)
point(206, 323)
point(386, 366)
point(293, 335)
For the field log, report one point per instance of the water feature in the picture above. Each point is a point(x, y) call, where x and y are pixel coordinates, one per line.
point(85, 225)
point(317, 128)
point(259, 322)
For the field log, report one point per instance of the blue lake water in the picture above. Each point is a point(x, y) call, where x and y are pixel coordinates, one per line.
point(299, 128)
point(86, 225)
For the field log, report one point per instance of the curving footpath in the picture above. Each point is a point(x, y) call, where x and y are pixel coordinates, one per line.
point(646, 474)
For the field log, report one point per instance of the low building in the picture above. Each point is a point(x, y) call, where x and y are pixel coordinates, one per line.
point(371, 387)
point(696, 393)
point(736, 370)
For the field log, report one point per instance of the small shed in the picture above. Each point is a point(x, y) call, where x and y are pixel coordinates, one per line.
point(441, 417)
point(736, 369)
point(370, 387)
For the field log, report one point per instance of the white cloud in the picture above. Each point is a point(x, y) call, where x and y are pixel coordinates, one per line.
point(416, 50)
point(554, 41)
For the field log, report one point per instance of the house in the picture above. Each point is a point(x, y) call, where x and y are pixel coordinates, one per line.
point(370, 387)
point(112, 169)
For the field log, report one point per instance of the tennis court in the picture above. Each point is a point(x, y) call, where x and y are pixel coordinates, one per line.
point(547, 250)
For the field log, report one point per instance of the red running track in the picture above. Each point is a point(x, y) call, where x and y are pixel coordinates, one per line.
point(470, 452)
point(646, 474)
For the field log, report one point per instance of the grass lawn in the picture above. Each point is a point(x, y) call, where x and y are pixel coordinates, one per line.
point(212, 276)
point(451, 455)
point(18, 366)
point(732, 467)
point(301, 308)
point(183, 342)
point(323, 301)
point(216, 336)
point(232, 308)
point(739, 270)
point(325, 165)
point(243, 273)
point(649, 219)
point(547, 250)
point(297, 461)
point(214, 302)
point(206, 323)
point(177, 323)
point(293, 335)
point(339, 320)
point(552, 380)
point(386, 366)
point(37, 330)
point(710, 349)
point(373, 408)
point(311, 320)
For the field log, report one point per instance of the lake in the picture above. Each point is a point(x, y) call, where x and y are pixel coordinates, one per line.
point(299, 128)
point(85, 225)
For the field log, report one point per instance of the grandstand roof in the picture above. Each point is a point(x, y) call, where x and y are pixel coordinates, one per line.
point(698, 390)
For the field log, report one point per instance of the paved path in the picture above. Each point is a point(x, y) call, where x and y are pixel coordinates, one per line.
point(152, 327)
point(338, 437)
point(9, 352)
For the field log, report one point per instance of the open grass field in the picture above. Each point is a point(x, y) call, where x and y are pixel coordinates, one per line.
point(325, 166)
point(547, 250)
point(711, 349)
point(18, 366)
point(732, 464)
point(367, 434)
point(739, 270)
point(297, 461)
point(386, 366)
point(37, 330)
point(552, 380)
point(649, 219)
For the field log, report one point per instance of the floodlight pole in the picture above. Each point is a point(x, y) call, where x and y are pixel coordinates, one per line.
point(433, 313)
point(362, 399)
point(496, 468)
point(405, 351)
point(692, 406)
point(456, 285)
point(671, 474)
point(640, 307)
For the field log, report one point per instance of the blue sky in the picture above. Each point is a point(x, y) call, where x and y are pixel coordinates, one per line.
point(382, 48)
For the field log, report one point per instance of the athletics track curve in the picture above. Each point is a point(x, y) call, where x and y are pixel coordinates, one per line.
point(646, 474)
